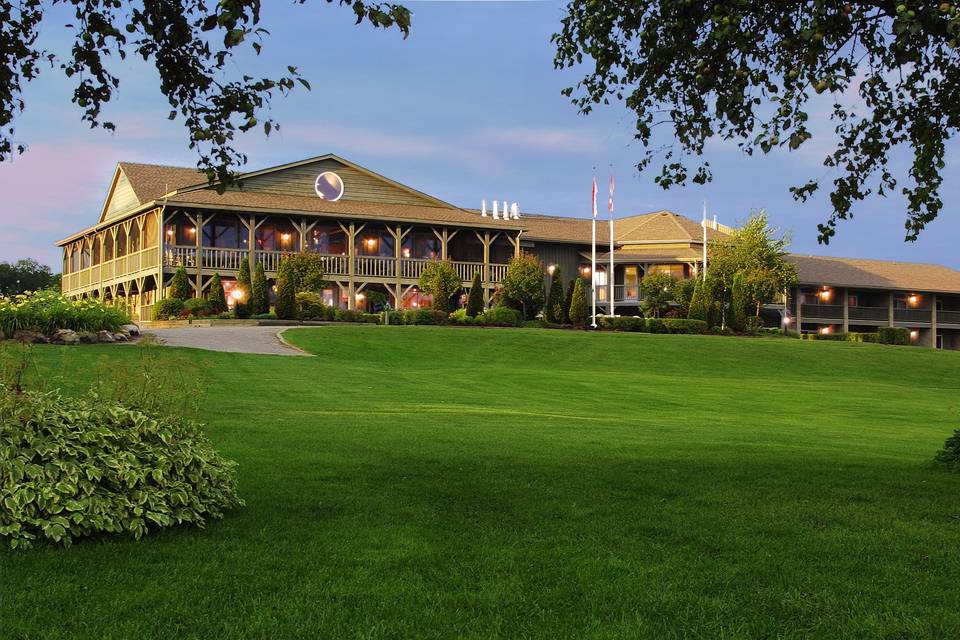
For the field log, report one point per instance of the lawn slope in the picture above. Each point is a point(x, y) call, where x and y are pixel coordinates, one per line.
point(440, 483)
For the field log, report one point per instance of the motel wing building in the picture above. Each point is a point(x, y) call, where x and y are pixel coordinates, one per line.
point(375, 234)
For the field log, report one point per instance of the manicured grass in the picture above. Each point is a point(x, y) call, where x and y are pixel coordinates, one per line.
point(442, 483)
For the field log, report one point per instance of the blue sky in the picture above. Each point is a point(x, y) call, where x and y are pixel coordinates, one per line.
point(468, 107)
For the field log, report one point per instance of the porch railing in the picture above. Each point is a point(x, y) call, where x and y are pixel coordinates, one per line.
point(412, 267)
point(174, 256)
point(948, 317)
point(912, 315)
point(466, 270)
point(497, 272)
point(877, 314)
point(377, 267)
point(821, 310)
point(222, 259)
point(269, 259)
point(334, 264)
point(108, 270)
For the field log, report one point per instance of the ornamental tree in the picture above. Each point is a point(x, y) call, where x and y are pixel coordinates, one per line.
point(760, 253)
point(475, 299)
point(554, 309)
point(523, 283)
point(192, 47)
point(749, 71)
point(180, 287)
point(682, 294)
point(440, 280)
point(216, 296)
point(657, 289)
point(739, 302)
point(260, 296)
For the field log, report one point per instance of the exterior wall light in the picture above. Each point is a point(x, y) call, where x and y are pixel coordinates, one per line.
point(237, 294)
point(825, 295)
point(360, 296)
point(551, 269)
point(824, 331)
point(914, 300)
point(914, 335)
point(191, 230)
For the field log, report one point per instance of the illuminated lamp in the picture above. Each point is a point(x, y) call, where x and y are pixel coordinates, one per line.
point(360, 296)
point(191, 230)
point(406, 252)
point(824, 331)
point(826, 294)
point(237, 294)
point(551, 269)
point(914, 299)
point(914, 335)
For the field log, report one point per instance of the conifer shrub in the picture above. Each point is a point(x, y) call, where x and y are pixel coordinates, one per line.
point(287, 302)
point(567, 299)
point(475, 299)
point(553, 312)
point(502, 317)
point(167, 308)
point(949, 456)
point(579, 312)
point(241, 307)
point(216, 295)
point(260, 294)
point(309, 306)
point(739, 300)
point(180, 287)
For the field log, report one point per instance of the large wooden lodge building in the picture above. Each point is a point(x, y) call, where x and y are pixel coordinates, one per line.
point(376, 235)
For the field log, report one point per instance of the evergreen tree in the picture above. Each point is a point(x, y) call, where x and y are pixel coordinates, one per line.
point(555, 300)
point(241, 307)
point(475, 299)
point(567, 299)
point(698, 305)
point(286, 305)
point(180, 287)
point(218, 301)
point(739, 300)
point(579, 313)
point(260, 298)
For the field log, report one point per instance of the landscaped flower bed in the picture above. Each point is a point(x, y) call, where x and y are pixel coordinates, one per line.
point(45, 316)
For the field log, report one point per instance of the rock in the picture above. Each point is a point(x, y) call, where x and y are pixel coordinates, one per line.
point(30, 336)
point(121, 337)
point(131, 329)
point(105, 336)
point(65, 336)
point(87, 337)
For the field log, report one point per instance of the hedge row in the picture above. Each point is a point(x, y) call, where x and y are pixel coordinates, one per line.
point(652, 325)
point(885, 335)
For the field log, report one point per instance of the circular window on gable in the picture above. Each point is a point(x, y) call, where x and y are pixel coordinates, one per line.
point(329, 186)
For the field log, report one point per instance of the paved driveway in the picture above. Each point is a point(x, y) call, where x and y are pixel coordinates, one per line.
point(265, 340)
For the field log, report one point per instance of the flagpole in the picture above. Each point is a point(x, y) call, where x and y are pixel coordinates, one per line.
point(704, 225)
point(610, 277)
point(593, 257)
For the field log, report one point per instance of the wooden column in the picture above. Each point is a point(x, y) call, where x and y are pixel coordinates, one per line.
point(161, 246)
point(846, 311)
point(890, 309)
point(799, 304)
point(199, 259)
point(933, 320)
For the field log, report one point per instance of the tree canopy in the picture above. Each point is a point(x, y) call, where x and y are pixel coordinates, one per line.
point(747, 71)
point(25, 275)
point(192, 43)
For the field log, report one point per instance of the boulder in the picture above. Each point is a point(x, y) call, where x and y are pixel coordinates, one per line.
point(130, 329)
point(87, 337)
point(121, 337)
point(65, 336)
point(105, 336)
point(30, 336)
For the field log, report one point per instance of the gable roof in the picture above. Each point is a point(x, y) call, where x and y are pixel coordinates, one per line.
point(875, 274)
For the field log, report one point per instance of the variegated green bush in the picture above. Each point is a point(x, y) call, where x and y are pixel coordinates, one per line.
point(75, 468)
point(46, 311)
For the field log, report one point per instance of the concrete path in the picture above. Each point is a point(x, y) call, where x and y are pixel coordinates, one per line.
point(265, 340)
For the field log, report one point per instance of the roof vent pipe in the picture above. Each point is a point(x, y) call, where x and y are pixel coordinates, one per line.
point(515, 211)
point(506, 210)
point(496, 211)
point(714, 222)
point(483, 208)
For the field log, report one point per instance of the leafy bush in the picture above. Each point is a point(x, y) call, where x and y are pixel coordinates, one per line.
point(949, 456)
point(440, 280)
point(216, 296)
point(657, 289)
point(623, 323)
point(658, 325)
point(475, 299)
point(424, 316)
point(81, 467)
point(264, 316)
point(893, 335)
point(393, 317)
point(462, 318)
point(682, 325)
point(523, 283)
point(753, 325)
point(260, 296)
point(739, 300)
point(167, 308)
point(309, 304)
point(180, 285)
point(682, 294)
point(47, 311)
point(502, 317)
point(197, 307)
point(843, 337)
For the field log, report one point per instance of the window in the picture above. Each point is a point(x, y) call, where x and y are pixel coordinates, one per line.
point(676, 271)
point(327, 239)
point(631, 282)
point(225, 234)
point(424, 245)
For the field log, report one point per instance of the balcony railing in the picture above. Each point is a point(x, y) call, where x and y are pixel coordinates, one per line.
point(881, 314)
point(626, 293)
point(497, 272)
point(948, 317)
point(912, 315)
point(376, 267)
point(120, 266)
point(334, 264)
point(466, 270)
point(223, 259)
point(821, 311)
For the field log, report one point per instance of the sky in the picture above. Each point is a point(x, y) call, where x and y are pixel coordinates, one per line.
point(469, 107)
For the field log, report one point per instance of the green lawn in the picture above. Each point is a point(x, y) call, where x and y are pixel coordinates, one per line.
point(444, 483)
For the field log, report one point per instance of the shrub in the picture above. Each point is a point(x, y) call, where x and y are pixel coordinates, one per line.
point(46, 311)
point(309, 305)
point(180, 285)
point(739, 301)
point(305, 270)
point(440, 280)
point(241, 307)
point(699, 304)
point(567, 300)
point(657, 325)
point(462, 318)
point(264, 316)
point(554, 310)
point(81, 467)
point(424, 316)
point(657, 289)
point(623, 323)
point(682, 294)
point(371, 318)
point(475, 299)
point(753, 325)
point(167, 308)
point(681, 325)
point(502, 317)
point(523, 283)
point(260, 296)
point(216, 296)
point(579, 314)
point(198, 307)
point(330, 313)
point(501, 299)
point(893, 335)
point(949, 456)
point(393, 317)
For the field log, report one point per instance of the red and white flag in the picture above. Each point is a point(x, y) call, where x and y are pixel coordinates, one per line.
point(610, 201)
point(593, 196)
